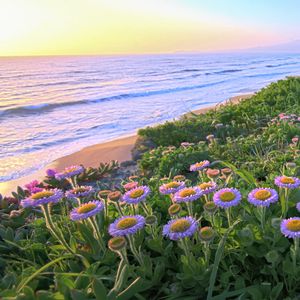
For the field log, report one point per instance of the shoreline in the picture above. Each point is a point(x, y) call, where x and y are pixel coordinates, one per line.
point(91, 156)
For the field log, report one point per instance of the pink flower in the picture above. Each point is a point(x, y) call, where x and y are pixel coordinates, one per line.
point(130, 185)
point(33, 187)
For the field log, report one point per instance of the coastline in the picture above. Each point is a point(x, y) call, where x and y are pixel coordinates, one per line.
point(91, 156)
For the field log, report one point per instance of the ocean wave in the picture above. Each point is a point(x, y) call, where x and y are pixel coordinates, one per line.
point(267, 74)
point(42, 107)
point(223, 72)
point(280, 65)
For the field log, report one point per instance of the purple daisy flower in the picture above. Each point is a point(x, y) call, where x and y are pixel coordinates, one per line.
point(126, 225)
point(291, 227)
point(86, 210)
point(287, 182)
point(79, 192)
point(208, 187)
point(69, 172)
point(51, 172)
point(180, 228)
point(199, 166)
point(187, 194)
point(171, 187)
point(43, 197)
point(136, 195)
point(227, 197)
point(298, 206)
point(262, 196)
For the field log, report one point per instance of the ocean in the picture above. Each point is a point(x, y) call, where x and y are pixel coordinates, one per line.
point(54, 106)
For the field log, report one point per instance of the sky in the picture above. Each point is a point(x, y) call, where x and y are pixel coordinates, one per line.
point(62, 27)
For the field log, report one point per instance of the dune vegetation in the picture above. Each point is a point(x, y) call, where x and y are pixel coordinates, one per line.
point(212, 213)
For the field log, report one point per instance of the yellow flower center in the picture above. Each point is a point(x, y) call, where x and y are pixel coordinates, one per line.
point(262, 195)
point(186, 193)
point(293, 225)
point(205, 185)
point(227, 196)
point(287, 180)
point(136, 193)
point(43, 194)
point(79, 190)
point(199, 164)
point(126, 223)
point(84, 208)
point(172, 184)
point(180, 225)
point(70, 170)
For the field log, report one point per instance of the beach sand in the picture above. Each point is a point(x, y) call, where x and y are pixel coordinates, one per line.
point(119, 149)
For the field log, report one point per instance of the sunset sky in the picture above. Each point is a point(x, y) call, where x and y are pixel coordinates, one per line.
point(46, 27)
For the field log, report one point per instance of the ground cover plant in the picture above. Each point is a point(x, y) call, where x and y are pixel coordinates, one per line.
point(212, 213)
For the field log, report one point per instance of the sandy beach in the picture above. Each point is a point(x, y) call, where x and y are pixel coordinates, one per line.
point(119, 149)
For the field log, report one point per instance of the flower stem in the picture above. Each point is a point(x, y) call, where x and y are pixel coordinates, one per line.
point(228, 216)
point(189, 206)
point(134, 250)
point(295, 254)
point(263, 217)
point(53, 230)
point(206, 253)
point(97, 233)
point(133, 209)
point(146, 210)
point(119, 209)
point(105, 209)
point(123, 255)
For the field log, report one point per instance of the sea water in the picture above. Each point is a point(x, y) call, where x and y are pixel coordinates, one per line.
point(54, 106)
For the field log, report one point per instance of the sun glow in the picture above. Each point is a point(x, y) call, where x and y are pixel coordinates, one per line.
point(34, 27)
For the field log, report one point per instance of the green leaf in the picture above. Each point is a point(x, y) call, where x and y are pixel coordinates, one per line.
point(275, 293)
point(99, 290)
point(35, 274)
point(78, 295)
point(255, 292)
point(244, 174)
point(218, 257)
point(135, 287)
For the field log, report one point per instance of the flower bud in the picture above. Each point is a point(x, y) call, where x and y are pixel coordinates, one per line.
point(133, 178)
point(130, 185)
point(150, 220)
point(210, 137)
point(174, 209)
point(164, 179)
point(206, 233)
point(213, 173)
point(179, 178)
point(272, 256)
point(51, 172)
point(103, 194)
point(226, 171)
point(117, 243)
point(210, 207)
point(114, 196)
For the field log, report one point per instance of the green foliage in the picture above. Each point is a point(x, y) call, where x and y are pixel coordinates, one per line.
point(244, 261)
